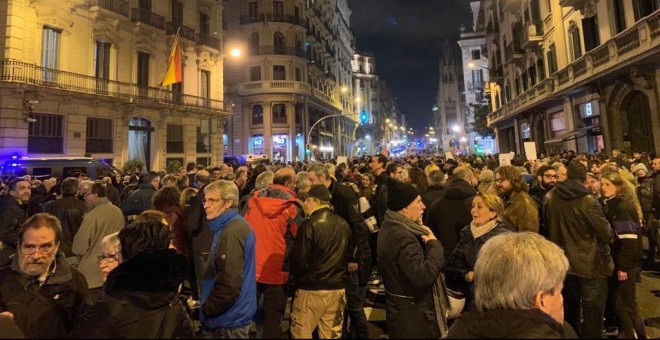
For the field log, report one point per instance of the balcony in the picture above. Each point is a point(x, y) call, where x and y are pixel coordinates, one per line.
point(208, 41)
point(186, 32)
point(17, 72)
point(513, 53)
point(326, 98)
point(290, 19)
point(577, 4)
point(278, 50)
point(248, 19)
point(493, 28)
point(116, 6)
point(637, 44)
point(532, 34)
point(273, 86)
point(510, 5)
point(147, 17)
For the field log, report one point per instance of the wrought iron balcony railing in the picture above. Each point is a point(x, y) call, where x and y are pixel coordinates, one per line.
point(145, 16)
point(208, 40)
point(15, 71)
point(186, 32)
point(117, 6)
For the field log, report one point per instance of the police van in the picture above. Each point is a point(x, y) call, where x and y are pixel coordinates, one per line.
point(58, 167)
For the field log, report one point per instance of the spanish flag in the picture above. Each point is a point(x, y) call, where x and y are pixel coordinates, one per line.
point(173, 74)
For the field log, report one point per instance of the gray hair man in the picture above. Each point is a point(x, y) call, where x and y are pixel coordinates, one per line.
point(229, 287)
point(518, 283)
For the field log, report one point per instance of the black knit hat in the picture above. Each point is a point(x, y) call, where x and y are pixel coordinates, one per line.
point(399, 194)
point(320, 192)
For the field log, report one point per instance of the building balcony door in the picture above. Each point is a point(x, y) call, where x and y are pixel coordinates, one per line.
point(139, 141)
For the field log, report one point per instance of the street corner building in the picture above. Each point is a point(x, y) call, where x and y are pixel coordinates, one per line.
point(573, 74)
point(82, 78)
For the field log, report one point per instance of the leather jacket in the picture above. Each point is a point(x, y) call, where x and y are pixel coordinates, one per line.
point(319, 258)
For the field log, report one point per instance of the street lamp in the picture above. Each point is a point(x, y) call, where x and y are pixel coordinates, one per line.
point(456, 128)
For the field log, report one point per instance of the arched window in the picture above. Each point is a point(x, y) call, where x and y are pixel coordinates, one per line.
point(257, 114)
point(278, 42)
point(254, 44)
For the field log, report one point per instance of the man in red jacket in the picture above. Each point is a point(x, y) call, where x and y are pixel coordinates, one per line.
point(274, 214)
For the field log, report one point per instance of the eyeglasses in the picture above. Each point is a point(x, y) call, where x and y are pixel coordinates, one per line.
point(210, 201)
point(107, 257)
point(31, 249)
point(550, 176)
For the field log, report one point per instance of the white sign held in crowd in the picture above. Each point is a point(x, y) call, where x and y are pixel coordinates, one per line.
point(342, 159)
point(505, 159)
point(530, 151)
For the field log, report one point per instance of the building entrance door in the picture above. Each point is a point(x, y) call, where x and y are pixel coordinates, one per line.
point(636, 123)
point(139, 140)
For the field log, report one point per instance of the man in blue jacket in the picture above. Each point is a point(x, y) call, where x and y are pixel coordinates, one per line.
point(229, 288)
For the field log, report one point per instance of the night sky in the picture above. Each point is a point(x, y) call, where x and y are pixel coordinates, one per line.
point(406, 37)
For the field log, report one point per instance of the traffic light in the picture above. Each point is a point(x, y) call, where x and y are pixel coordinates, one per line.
point(308, 149)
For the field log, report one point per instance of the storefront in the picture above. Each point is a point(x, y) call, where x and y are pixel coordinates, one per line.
point(588, 135)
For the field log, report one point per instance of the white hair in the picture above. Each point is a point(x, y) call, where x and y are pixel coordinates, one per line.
point(110, 241)
point(227, 190)
point(511, 269)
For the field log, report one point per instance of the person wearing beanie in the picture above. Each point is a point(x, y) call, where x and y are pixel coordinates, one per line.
point(410, 260)
point(576, 223)
point(319, 268)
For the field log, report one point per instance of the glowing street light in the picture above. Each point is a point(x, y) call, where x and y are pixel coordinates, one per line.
point(235, 52)
point(455, 128)
point(463, 139)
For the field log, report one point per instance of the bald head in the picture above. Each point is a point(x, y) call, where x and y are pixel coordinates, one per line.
point(285, 177)
point(202, 177)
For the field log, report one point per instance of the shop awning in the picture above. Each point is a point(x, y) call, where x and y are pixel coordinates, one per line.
point(575, 134)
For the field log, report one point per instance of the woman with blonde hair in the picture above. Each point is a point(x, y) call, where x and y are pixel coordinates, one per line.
point(619, 209)
point(487, 210)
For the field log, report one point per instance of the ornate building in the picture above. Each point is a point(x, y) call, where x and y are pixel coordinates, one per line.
point(450, 121)
point(574, 74)
point(80, 77)
point(296, 71)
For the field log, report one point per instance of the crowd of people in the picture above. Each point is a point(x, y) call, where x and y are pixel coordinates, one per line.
point(554, 243)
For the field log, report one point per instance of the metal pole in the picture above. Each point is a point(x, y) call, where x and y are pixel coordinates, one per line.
point(309, 133)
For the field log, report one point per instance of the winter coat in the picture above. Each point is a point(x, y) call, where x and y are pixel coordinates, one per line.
point(139, 200)
point(102, 219)
point(430, 195)
point(379, 205)
point(464, 257)
point(47, 311)
point(409, 270)
point(577, 224)
point(521, 212)
point(319, 257)
point(229, 287)
point(345, 203)
point(12, 216)
point(197, 226)
point(69, 210)
point(139, 295)
point(113, 195)
point(509, 324)
point(38, 197)
point(627, 247)
point(451, 212)
point(656, 194)
point(274, 214)
point(538, 192)
point(645, 194)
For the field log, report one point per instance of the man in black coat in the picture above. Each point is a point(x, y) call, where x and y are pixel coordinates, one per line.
point(450, 213)
point(12, 215)
point(141, 298)
point(434, 191)
point(546, 179)
point(43, 294)
point(69, 210)
point(140, 199)
point(198, 230)
point(345, 204)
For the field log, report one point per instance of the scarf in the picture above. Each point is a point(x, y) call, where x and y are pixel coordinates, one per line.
point(440, 300)
point(478, 231)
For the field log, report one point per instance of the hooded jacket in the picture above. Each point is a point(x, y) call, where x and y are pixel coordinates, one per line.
point(69, 210)
point(623, 217)
point(274, 214)
point(49, 310)
point(509, 324)
point(577, 224)
point(450, 213)
point(139, 295)
point(229, 287)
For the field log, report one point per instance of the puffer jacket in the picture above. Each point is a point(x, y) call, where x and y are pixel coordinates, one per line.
point(577, 224)
point(274, 214)
point(140, 295)
point(509, 324)
point(69, 210)
point(47, 311)
point(645, 193)
point(521, 212)
point(319, 258)
point(627, 248)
